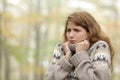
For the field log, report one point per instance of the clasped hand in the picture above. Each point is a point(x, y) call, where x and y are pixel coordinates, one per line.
point(80, 46)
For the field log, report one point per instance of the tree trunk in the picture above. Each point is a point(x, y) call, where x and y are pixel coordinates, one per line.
point(7, 66)
point(0, 45)
point(37, 75)
point(6, 54)
point(37, 30)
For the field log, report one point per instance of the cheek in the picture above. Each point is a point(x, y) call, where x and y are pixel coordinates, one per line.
point(82, 36)
point(66, 35)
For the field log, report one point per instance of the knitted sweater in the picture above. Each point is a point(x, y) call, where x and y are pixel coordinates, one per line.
point(93, 64)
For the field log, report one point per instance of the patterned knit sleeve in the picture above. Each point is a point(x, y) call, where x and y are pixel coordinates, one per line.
point(59, 67)
point(100, 54)
point(93, 64)
point(57, 53)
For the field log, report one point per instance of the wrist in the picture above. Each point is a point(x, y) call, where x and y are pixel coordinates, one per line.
point(68, 56)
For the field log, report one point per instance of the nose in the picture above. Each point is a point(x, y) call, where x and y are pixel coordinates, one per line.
point(71, 34)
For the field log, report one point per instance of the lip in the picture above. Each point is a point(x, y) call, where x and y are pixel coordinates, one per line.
point(72, 41)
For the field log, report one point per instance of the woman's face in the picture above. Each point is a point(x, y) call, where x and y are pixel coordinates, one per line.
point(75, 33)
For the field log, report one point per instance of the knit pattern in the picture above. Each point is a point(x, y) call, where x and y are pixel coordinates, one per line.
point(98, 55)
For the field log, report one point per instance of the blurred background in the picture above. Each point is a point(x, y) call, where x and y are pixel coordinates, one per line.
point(29, 30)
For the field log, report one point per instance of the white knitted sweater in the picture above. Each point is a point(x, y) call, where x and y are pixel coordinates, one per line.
point(93, 64)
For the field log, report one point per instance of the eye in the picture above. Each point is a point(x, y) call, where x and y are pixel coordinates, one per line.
point(76, 30)
point(68, 30)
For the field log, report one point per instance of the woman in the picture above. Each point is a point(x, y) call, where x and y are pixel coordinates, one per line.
point(92, 54)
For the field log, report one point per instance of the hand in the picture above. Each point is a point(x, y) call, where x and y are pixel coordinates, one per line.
point(67, 50)
point(82, 46)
